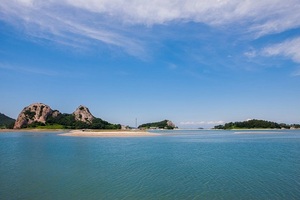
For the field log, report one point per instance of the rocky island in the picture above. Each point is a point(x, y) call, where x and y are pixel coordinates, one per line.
point(165, 124)
point(39, 115)
point(256, 124)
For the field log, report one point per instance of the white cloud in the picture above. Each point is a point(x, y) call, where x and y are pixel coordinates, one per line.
point(202, 122)
point(250, 54)
point(87, 22)
point(58, 23)
point(288, 48)
point(266, 16)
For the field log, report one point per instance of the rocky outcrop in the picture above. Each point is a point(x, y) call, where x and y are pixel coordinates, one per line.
point(165, 124)
point(83, 114)
point(55, 113)
point(171, 124)
point(37, 112)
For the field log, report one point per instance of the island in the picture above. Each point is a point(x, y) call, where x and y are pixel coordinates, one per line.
point(165, 124)
point(6, 122)
point(41, 116)
point(256, 124)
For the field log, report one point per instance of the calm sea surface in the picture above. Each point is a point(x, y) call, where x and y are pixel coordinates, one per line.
point(177, 165)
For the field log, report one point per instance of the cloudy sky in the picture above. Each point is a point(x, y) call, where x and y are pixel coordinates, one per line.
point(197, 63)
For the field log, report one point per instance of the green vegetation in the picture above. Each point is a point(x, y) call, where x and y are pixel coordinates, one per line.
point(295, 126)
point(67, 121)
point(255, 124)
point(54, 126)
point(6, 122)
point(156, 125)
point(29, 114)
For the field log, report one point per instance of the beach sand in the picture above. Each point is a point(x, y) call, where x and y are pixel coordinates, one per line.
point(108, 133)
point(30, 130)
point(88, 132)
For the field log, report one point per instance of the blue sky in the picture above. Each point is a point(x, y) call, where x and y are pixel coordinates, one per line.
point(197, 63)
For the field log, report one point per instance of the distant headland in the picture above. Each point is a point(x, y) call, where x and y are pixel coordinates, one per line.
point(256, 124)
point(165, 124)
point(41, 116)
point(6, 122)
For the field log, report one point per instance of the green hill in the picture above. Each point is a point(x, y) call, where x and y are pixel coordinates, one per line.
point(255, 124)
point(41, 116)
point(165, 124)
point(68, 121)
point(6, 122)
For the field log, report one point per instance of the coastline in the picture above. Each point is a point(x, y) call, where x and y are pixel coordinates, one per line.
point(32, 130)
point(108, 133)
point(87, 133)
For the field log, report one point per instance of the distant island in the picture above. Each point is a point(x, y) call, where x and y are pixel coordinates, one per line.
point(165, 124)
point(256, 124)
point(41, 116)
point(6, 122)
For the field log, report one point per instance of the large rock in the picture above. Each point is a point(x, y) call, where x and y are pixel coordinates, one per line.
point(83, 114)
point(37, 112)
point(171, 124)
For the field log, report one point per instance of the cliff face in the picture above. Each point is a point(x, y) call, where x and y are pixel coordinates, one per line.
point(37, 112)
point(83, 114)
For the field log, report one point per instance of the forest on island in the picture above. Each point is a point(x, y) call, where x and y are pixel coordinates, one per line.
point(6, 122)
point(156, 125)
point(256, 124)
point(67, 121)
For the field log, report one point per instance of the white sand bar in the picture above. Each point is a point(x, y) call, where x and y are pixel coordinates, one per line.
point(109, 133)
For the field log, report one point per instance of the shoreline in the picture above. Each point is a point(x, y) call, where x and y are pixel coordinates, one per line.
point(87, 132)
point(32, 130)
point(107, 133)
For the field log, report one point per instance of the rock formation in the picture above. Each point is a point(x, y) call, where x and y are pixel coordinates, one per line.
point(165, 124)
point(171, 124)
point(37, 112)
point(83, 114)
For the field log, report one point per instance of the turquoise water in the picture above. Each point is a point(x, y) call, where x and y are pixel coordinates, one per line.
point(177, 165)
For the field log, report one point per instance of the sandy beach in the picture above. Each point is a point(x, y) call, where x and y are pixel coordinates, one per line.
point(30, 130)
point(88, 133)
point(108, 133)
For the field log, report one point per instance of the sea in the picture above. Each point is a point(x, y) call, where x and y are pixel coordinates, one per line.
point(178, 164)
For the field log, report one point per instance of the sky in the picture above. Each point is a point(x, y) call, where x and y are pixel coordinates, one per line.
point(197, 63)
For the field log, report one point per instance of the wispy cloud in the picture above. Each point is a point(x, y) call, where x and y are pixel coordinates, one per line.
point(114, 22)
point(266, 16)
point(67, 25)
point(28, 70)
point(251, 53)
point(296, 73)
point(289, 49)
point(202, 122)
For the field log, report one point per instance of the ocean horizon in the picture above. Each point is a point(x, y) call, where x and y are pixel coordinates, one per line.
point(177, 164)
